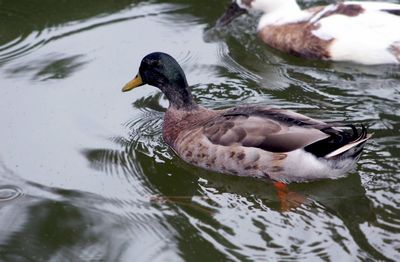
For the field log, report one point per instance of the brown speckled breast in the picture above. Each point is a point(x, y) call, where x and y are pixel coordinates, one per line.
point(177, 121)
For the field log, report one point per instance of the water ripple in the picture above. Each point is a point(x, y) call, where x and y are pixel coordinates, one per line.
point(33, 39)
point(10, 192)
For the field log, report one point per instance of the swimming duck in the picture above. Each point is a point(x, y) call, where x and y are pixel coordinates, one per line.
point(248, 140)
point(360, 32)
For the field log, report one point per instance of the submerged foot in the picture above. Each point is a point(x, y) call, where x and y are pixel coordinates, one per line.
point(288, 199)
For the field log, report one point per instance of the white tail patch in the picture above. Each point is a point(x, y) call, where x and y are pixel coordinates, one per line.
point(347, 147)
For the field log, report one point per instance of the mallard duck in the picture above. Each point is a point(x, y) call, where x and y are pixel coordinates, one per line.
point(248, 140)
point(360, 32)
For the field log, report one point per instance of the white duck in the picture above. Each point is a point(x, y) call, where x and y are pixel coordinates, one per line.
point(360, 32)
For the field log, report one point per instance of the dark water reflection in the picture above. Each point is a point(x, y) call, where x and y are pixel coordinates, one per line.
point(85, 175)
point(52, 67)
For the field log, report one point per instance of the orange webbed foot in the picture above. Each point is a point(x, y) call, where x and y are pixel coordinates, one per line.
point(289, 200)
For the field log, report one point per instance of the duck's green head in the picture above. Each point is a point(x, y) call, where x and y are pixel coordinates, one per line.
point(163, 71)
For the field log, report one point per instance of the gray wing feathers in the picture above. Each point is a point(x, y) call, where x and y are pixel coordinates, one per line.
point(270, 129)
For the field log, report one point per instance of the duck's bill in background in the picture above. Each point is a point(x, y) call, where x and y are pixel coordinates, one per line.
point(137, 81)
point(233, 11)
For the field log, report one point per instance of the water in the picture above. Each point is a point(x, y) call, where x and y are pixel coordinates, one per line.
point(84, 174)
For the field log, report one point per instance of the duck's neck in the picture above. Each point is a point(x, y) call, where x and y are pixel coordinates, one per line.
point(280, 13)
point(181, 98)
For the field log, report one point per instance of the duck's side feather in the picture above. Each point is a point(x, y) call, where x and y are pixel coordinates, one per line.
point(265, 128)
point(275, 130)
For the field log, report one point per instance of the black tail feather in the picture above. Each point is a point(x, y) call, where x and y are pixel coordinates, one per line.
point(355, 131)
point(336, 140)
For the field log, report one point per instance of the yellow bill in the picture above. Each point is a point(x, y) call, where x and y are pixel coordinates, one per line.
point(137, 81)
